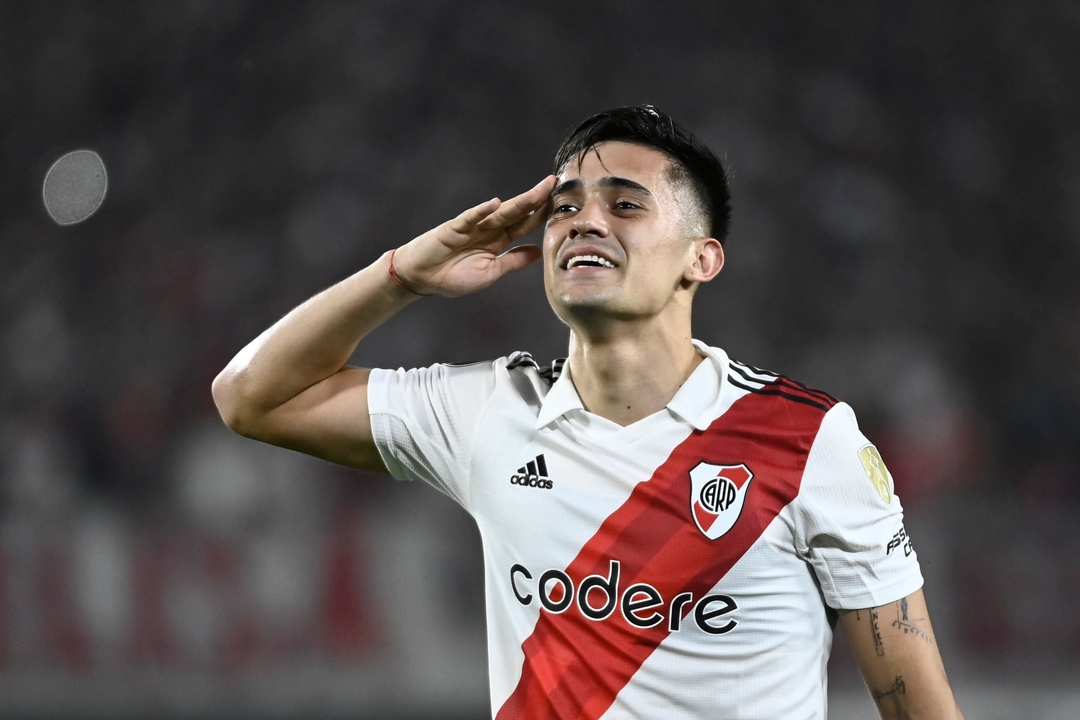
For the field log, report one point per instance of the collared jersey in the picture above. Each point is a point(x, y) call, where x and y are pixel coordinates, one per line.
point(680, 567)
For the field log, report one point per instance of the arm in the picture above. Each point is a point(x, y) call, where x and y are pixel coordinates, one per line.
point(290, 386)
point(898, 656)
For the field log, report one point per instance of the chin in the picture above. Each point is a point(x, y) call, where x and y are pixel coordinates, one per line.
point(586, 300)
point(593, 309)
point(569, 308)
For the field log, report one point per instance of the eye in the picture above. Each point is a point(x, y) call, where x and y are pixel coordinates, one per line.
point(627, 205)
point(563, 208)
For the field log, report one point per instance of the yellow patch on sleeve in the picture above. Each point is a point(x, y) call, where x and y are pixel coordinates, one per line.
point(877, 472)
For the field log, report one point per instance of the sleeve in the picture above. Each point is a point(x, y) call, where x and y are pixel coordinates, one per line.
point(424, 420)
point(850, 524)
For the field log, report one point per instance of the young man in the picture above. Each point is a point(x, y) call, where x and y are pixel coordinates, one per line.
point(667, 533)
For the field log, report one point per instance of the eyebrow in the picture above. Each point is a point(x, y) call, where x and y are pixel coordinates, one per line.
point(611, 181)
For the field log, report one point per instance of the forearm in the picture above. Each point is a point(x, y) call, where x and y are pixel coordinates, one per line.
point(290, 386)
point(308, 345)
point(898, 656)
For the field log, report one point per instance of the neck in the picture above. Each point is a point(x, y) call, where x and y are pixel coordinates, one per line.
point(628, 375)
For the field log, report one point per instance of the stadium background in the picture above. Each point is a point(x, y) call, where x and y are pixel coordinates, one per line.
point(906, 182)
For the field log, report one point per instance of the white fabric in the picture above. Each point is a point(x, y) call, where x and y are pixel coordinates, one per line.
point(468, 429)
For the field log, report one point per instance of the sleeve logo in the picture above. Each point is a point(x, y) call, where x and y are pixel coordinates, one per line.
point(717, 495)
point(877, 472)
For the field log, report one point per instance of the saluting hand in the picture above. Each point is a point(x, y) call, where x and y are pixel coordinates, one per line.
point(469, 253)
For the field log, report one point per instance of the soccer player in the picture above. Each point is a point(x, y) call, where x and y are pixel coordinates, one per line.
point(667, 533)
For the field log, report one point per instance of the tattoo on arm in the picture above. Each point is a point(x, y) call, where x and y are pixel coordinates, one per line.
point(898, 688)
point(875, 633)
point(909, 625)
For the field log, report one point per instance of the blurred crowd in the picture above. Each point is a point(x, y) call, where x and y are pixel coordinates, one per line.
point(906, 236)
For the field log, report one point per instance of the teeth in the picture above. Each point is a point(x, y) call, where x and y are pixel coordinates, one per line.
point(582, 259)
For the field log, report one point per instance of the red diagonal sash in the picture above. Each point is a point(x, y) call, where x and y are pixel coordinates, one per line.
point(574, 667)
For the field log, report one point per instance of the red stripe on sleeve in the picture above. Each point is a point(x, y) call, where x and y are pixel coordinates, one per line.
point(574, 667)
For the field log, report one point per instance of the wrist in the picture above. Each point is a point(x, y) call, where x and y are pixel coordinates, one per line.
point(401, 282)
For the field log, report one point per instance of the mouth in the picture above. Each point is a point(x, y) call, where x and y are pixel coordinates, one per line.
point(588, 261)
point(587, 257)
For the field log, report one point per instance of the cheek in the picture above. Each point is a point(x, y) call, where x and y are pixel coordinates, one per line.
point(661, 268)
point(551, 245)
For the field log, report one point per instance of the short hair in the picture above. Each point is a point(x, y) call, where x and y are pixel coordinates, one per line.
point(691, 159)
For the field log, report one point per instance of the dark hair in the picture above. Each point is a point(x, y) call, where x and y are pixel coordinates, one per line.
point(647, 126)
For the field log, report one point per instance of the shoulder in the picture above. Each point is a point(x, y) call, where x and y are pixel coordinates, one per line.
point(840, 460)
point(517, 373)
point(835, 426)
point(529, 380)
point(523, 362)
point(769, 384)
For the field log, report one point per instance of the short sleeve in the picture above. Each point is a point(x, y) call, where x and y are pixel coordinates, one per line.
point(424, 421)
point(850, 524)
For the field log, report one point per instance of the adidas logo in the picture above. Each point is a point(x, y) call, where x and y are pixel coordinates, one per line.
point(533, 474)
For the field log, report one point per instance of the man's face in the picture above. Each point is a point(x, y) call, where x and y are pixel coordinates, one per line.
point(619, 238)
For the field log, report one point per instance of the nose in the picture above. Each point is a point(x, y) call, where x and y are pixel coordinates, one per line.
point(589, 221)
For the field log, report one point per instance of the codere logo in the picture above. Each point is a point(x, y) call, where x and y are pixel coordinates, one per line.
point(641, 605)
point(533, 474)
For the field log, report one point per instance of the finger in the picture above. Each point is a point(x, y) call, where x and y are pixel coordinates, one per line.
point(530, 222)
point(521, 205)
point(517, 258)
point(472, 217)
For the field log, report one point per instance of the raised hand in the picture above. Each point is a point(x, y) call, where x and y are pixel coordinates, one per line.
point(469, 253)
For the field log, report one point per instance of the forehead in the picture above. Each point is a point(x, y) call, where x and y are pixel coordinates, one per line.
point(642, 164)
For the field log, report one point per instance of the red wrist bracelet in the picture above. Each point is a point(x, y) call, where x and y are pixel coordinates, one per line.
point(395, 278)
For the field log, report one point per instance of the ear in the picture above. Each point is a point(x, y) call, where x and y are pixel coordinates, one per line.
point(708, 263)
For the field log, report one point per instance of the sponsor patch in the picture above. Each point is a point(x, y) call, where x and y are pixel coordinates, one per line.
point(717, 495)
point(900, 540)
point(877, 472)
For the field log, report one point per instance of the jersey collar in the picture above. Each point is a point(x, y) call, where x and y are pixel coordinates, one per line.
point(697, 401)
point(561, 399)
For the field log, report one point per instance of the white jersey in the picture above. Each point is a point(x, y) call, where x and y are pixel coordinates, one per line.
point(679, 567)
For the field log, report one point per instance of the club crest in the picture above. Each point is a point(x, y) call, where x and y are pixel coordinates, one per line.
point(717, 494)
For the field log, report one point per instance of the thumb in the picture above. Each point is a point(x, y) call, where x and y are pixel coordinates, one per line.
point(517, 258)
